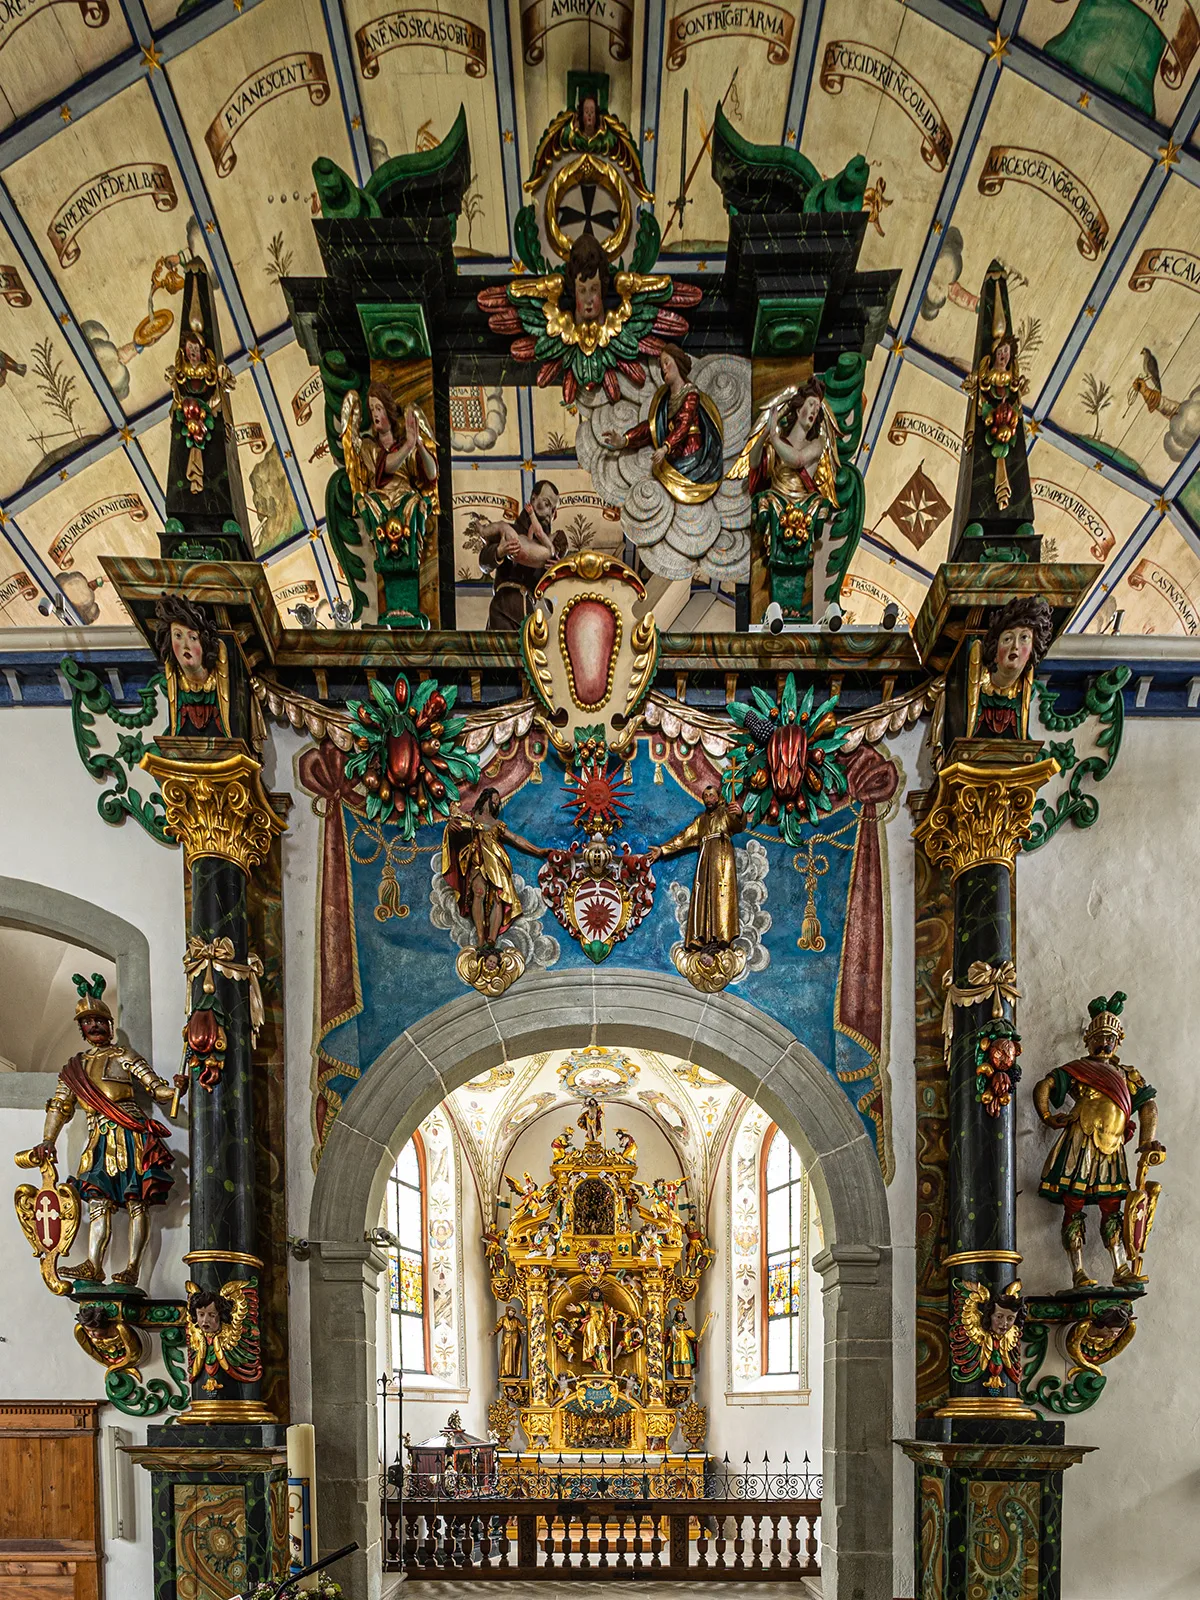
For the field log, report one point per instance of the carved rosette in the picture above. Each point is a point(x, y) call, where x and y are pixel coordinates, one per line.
point(217, 808)
point(980, 814)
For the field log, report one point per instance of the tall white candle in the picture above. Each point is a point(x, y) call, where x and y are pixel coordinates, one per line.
point(302, 1496)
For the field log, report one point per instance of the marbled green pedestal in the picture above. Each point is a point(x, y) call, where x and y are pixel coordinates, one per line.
point(219, 1508)
point(989, 1508)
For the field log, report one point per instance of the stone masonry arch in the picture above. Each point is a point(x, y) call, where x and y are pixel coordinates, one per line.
point(721, 1033)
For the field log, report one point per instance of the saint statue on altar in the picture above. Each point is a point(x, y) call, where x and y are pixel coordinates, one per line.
point(591, 1121)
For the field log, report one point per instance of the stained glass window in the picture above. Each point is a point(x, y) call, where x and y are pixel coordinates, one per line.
point(406, 1260)
point(785, 1254)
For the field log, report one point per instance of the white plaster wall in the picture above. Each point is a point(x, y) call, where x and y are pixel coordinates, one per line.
point(902, 1191)
point(1114, 907)
point(51, 834)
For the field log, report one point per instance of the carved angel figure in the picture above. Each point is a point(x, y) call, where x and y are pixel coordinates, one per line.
point(392, 467)
point(222, 1332)
point(790, 462)
point(985, 1333)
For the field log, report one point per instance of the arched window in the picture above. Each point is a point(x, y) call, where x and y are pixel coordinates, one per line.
point(408, 1265)
point(785, 1264)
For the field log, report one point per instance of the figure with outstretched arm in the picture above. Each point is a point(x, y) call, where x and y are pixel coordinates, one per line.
point(477, 867)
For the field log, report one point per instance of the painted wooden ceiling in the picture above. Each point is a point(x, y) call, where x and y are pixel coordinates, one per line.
point(1059, 135)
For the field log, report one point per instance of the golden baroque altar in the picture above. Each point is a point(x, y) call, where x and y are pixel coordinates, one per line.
point(594, 1273)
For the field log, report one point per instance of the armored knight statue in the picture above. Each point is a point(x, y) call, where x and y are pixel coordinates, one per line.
point(1087, 1166)
point(126, 1163)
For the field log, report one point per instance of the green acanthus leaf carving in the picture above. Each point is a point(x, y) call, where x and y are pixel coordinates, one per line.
point(1104, 701)
point(91, 699)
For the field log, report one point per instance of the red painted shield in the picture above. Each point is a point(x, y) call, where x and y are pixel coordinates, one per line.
point(590, 631)
point(47, 1219)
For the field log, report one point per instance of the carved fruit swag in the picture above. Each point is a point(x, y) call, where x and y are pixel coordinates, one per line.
point(784, 767)
point(408, 752)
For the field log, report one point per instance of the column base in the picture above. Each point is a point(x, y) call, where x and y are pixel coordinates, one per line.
point(1007, 1407)
point(989, 1504)
point(219, 1507)
point(225, 1413)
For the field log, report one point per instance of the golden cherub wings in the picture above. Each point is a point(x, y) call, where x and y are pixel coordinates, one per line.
point(235, 1346)
point(350, 426)
point(972, 1318)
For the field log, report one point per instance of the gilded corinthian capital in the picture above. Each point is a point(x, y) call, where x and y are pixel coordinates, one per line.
point(981, 813)
point(217, 808)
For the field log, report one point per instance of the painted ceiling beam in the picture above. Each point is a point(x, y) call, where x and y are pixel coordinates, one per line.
point(802, 73)
point(226, 277)
point(652, 64)
point(35, 565)
point(33, 130)
point(1119, 253)
point(338, 30)
point(506, 110)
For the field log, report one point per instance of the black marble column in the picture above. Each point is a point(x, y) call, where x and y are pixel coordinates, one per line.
point(224, 1241)
point(982, 1232)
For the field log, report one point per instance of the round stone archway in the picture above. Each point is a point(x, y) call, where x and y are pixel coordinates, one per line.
point(722, 1034)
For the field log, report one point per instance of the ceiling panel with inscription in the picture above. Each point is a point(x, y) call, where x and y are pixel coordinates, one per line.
point(134, 136)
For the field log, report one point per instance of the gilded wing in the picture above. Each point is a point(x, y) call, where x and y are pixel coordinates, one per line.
point(970, 1344)
point(549, 149)
point(741, 467)
point(197, 1343)
point(350, 423)
point(236, 1346)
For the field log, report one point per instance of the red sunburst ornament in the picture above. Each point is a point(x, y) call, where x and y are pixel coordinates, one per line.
point(596, 797)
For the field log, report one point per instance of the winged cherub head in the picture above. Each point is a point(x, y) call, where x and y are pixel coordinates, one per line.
point(588, 278)
point(209, 1311)
point(801, 416)
point(1004, 1312)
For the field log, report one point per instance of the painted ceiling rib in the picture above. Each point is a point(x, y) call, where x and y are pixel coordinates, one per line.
point(340, 48)
point(525, 438)
point(1116, 570)
point(506, 108)
point(36, 565)
point(652, 60)
point(227, 282)
point(896, 558)
point(956, 173)
point(1120, 251)
point(1106, 281)
point(93, 90)
point(802, 71)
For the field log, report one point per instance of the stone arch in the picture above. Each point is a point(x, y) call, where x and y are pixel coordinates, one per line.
point(721, 1033)
point(40, 909)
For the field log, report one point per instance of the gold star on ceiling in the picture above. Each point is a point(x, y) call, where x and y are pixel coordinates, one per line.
point(64, 317)
point(356, 123)
point(1084, 101)
point(63, 474)
point(648, 136)
point(897, 346)
point(1033, 426)
point(3, 518)
point(1161, 505)
point(210, 226)
point(65, 113)
point(998, 47)
point(126, 434)
point(1168, 155)
point(508, 136)
point(151, 57)
point(254, 356)
point(527, 466)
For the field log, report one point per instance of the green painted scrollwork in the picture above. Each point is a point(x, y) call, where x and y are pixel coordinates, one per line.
point(151, 1399)
point(1052, 1394)
point(843, 394)
point(1103, 700)
point(91, 699)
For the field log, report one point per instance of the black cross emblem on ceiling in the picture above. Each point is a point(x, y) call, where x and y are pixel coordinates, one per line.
point(585, 214)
